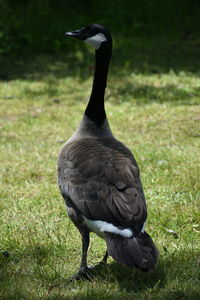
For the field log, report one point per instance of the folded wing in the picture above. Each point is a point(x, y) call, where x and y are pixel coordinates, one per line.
point(101, 178)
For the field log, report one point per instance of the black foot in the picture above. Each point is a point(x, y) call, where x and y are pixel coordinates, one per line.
point(101, 263)
point(85, 273)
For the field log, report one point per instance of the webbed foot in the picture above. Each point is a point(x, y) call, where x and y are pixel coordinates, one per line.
point(84, 273)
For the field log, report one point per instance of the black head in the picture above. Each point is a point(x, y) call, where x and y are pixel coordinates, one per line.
point(92, 34)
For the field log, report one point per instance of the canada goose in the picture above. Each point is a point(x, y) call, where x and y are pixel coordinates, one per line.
point(99, 178)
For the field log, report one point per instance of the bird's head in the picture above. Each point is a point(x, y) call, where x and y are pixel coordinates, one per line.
point(92, 34)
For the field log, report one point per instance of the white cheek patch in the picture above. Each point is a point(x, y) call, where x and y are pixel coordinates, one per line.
point(96, 40)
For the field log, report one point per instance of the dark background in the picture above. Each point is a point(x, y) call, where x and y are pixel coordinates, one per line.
point(149, 35)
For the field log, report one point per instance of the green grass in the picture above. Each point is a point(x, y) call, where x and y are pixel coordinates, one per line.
point(157, 115)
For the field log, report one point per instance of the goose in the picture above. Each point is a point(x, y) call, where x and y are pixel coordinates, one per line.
point(99, 177)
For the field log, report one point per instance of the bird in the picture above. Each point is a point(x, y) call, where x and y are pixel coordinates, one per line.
point(99, 177)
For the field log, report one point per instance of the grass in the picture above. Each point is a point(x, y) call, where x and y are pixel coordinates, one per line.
point(157, 115)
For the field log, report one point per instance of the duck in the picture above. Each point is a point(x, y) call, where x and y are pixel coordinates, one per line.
point(99, 178)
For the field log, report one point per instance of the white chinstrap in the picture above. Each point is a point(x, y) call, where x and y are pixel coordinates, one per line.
point(96, 40)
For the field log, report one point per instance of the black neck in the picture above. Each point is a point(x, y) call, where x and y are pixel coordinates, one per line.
point(95, 110)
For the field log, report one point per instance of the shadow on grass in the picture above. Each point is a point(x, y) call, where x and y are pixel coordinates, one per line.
point(180, 267)
point(136, 57)
point(144, 94)
point(153, 55)
point(50, 68)
point(130, 280)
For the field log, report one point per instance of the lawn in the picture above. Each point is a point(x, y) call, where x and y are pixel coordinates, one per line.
point(157, 114)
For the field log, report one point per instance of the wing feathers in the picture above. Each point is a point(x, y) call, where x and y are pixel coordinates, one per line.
point(138, 251)
point(101, 177)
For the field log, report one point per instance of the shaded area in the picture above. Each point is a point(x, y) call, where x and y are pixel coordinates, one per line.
point(149, 36)
point(124, 83)
point(137, 54)
point(39, 25)
point(130, 282)
point(143, 93)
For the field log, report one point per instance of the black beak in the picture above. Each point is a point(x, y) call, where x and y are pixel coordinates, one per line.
point(77, 34)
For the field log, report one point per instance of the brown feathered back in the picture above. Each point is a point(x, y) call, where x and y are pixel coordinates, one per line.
point(101, 177)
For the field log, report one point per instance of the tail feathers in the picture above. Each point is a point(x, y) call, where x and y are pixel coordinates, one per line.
point(139, 251)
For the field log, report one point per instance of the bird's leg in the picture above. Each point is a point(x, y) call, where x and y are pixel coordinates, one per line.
point(104, 260)
point(85, 245)
point(83, 272)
